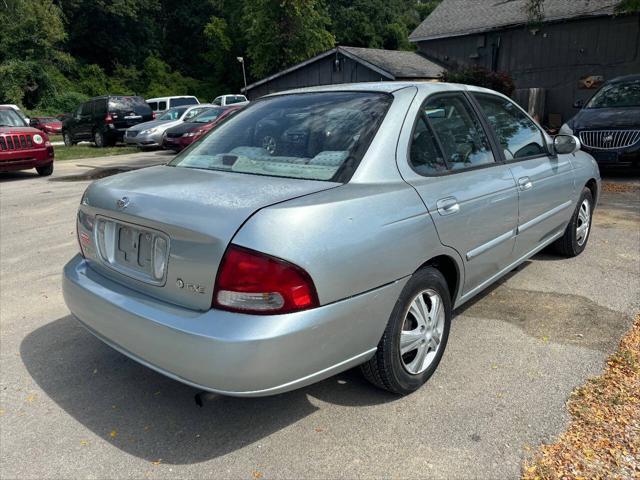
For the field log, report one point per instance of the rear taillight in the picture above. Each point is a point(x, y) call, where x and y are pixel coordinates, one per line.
point(153, 115)
point(108, 118)
point(253, 282)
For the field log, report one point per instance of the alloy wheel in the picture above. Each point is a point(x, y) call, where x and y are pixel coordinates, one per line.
point(422, 330)
point(584, 221)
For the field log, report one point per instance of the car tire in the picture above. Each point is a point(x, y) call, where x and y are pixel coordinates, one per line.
point(576, 235)
point(45, 171)
point(68, 139)
point(396, 365)
point(98, 139)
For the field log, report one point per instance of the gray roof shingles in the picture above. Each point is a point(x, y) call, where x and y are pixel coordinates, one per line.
point(400, 64)
point(463, 17)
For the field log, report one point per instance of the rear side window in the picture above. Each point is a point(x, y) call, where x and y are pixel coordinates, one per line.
point(518, 135)
point(129, 104)
point(178, 102)
point(100, 107)
point(463, 140)
point(425, 155)
point(86, 108)
point(162, 105)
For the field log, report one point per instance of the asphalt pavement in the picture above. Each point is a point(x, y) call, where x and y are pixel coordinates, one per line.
point(71, 407)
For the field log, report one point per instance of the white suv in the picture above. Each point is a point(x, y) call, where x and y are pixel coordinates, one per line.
point(162, 104)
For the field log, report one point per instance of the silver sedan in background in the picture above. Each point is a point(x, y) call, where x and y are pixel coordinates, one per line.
point(322, 229)
point(149, 134)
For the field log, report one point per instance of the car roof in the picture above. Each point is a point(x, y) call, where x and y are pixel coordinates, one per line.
point(388, 87)
point(625, 78)
point(169, 97)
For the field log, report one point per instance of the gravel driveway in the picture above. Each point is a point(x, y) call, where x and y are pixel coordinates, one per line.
point(72, 407)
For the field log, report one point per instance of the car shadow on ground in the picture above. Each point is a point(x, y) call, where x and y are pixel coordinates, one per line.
point(153, 417)
point(18, 175)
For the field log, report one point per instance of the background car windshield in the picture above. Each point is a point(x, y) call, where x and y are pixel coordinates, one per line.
point(231, 99)
point(617, 95)
point(9, 118)
point(129, 104)
point(47, 120)
point(173, 113)
point(177, 102)
point(208, 116)
point(319, 136)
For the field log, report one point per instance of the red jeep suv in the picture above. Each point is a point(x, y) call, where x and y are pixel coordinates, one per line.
point(23, 147)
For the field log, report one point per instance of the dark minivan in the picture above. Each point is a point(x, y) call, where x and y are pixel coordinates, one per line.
point(105, 119)
point(609, 124)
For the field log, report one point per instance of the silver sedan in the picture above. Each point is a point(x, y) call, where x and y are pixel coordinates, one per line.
point(322, 229)
point(149, 134)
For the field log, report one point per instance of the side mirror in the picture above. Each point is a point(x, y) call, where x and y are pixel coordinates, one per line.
point(578, 104)
point(565, 144)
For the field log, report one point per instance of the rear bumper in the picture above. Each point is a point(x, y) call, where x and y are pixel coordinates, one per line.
point(25, 159)
point(225, 352)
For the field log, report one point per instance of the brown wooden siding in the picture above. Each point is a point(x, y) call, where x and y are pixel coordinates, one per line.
point(554, 57)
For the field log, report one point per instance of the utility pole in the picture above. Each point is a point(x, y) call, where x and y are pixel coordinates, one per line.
point(244, 75)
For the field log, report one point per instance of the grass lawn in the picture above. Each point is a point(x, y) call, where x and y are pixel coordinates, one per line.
point(55, 138)
point(89, 151)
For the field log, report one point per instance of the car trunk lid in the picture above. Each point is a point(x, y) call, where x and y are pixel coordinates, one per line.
point(196, 212)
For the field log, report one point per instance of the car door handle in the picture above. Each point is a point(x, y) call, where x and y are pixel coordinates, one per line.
point(448, 206)
point(525, 183)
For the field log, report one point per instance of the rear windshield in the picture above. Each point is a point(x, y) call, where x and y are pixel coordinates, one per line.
point(231, 99)
point(316, 136)
point(173, 113)
point(615, 95)
point(47, 120)
point(129, 104)
point(177, 102)
point(9, 118)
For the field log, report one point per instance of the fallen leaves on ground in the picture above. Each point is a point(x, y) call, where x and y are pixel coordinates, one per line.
point(603, 438)
point(618, 187)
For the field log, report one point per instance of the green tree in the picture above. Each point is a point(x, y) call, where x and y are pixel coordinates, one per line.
point(280, 33)
point(31, 37)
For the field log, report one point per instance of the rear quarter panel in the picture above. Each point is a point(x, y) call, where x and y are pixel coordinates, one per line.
point(350, 239)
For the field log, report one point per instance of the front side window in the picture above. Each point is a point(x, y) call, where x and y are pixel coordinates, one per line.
point(461, 135)
point(518, 135)
point(218, 101)
point(9, 118)
point(318, 136)
point(153, 105)
point(617, 95)
point(162, 105)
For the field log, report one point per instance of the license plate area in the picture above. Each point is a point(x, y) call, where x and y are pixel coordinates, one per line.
point(605, 157)
point(132, 250)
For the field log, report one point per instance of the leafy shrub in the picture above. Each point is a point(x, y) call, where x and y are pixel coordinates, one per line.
point(481, 77)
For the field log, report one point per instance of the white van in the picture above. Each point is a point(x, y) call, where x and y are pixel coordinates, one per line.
point(161, 104)
point(224, 100)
